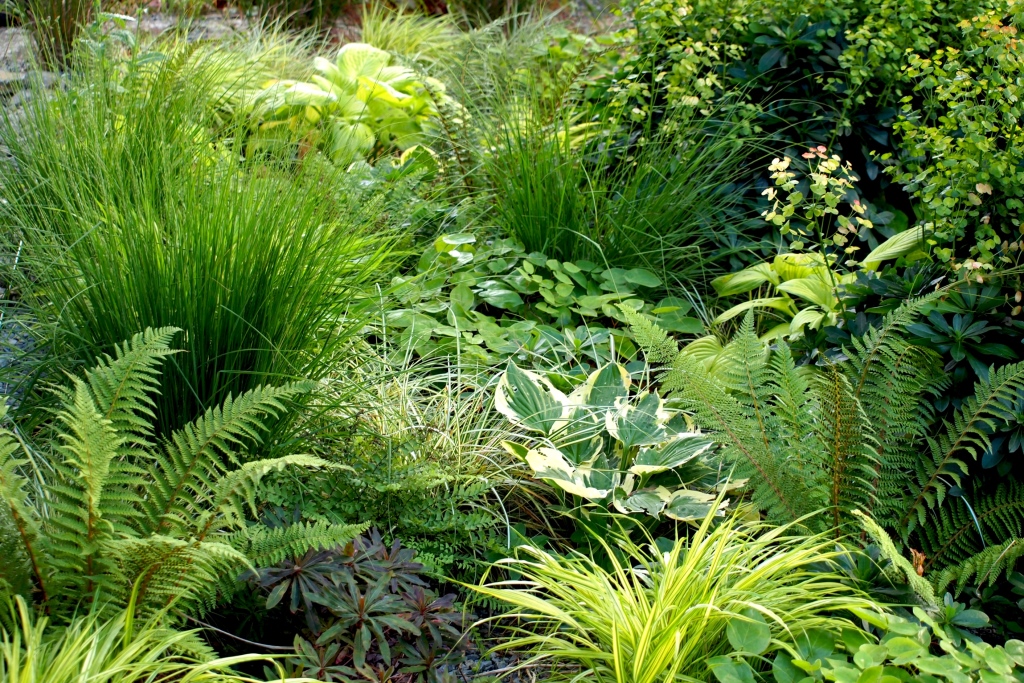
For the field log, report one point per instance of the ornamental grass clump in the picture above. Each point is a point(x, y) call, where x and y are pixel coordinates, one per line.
point(131, 204)
point(646, 614)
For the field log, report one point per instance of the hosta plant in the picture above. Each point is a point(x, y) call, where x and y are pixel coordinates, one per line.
point(352, 107)
point(607, 446)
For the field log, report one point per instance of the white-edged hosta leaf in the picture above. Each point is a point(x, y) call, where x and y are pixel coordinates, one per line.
point(530, 400)
point(669, 455)
point(603, 388)
point(687, 505)
point(640, 424)
point(551, 465)
point(650, 501)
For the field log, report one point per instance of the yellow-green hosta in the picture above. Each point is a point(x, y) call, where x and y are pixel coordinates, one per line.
point(805, 286)
point(353, 106)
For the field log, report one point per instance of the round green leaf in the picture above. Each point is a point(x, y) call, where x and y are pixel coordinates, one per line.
point(748, 632)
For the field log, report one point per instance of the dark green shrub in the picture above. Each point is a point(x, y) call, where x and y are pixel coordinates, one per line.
point(370, 614)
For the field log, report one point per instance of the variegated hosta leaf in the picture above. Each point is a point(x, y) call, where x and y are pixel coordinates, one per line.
point(669, 455)
point(687, 505)
point(530, 400)
point(579, 437)
point(604, 388)
point(649, 501)
point(590, 483)
point(641, 424)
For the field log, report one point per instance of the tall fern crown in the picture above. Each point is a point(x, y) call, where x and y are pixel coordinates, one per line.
point(117, 509)
point(851, 436)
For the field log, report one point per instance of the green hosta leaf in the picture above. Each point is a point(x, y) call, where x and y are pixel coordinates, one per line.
point(817, 290)
point(728, 671)
point(641, 424)
point(550, 464)
point(359, 59)
point(748, 632)
point(307, 95)
point(745, 280)
point(350, 140)
point(328, 70)
point(898, 245)
point(689, 506)
point(529, 399)
point(667, 456)
point(780, 303)
point(808, 317)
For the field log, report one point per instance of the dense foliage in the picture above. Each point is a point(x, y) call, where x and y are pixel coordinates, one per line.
point(680, 342)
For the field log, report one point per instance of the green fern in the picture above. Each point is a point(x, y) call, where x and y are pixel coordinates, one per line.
point(970, 524)
point(984, 567)
point(899, 568)
point(119, 511)
point(857, 435)
point(967, 434)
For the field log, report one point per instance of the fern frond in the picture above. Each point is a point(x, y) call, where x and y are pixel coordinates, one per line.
point(196, 456)
point(900, 566)
point(844, 436)
point(183, 572)
point(86, 516)
point(236, 490)
point(967, 434)
point(655, 342)
point(876, 352)
point(122, 386)
point(775, 487)
point(891, 380)
point(967, 524)
point(266, 546)
point(984, 567)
